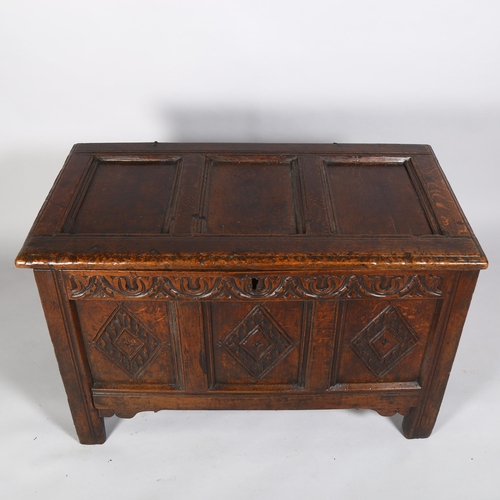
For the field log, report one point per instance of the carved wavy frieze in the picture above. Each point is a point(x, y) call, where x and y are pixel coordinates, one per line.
point(245, 287)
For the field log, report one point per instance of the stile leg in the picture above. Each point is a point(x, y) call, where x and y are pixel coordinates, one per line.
point(71, 357)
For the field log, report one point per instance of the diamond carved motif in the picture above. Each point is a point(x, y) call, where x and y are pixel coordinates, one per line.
point(385, 341)
point(258, 343)
point(127, 342)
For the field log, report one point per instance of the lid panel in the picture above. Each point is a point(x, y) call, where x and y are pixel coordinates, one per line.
point(375, 199)
point(252, 206)
point(125, 197)
point(250, 197)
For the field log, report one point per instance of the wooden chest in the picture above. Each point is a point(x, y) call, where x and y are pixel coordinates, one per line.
point(253, 276)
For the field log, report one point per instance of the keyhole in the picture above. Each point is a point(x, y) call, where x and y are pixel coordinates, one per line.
point(255, 282)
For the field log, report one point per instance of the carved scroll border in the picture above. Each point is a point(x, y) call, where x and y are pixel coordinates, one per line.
point(259, 288)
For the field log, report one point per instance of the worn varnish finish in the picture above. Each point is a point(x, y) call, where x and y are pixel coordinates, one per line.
point(244, 276)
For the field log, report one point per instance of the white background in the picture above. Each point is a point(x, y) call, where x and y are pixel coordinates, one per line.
point(310, 71)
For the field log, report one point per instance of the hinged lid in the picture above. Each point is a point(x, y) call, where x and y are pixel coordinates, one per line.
point(251, 206)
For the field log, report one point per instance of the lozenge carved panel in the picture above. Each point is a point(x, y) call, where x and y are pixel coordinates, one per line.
point(126, 342)
point(258, 343)
point(131, 341)
point(383, 341)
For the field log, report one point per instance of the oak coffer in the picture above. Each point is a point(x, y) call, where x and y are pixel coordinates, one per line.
point(253, 276)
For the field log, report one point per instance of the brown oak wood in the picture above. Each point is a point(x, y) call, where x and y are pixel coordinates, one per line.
point(253, 276)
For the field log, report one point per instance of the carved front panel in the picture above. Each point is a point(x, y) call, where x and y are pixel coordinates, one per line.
point(126, 341)
point(257, 345)
point(131, 342)
point(382, 341)
point(261, 332)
